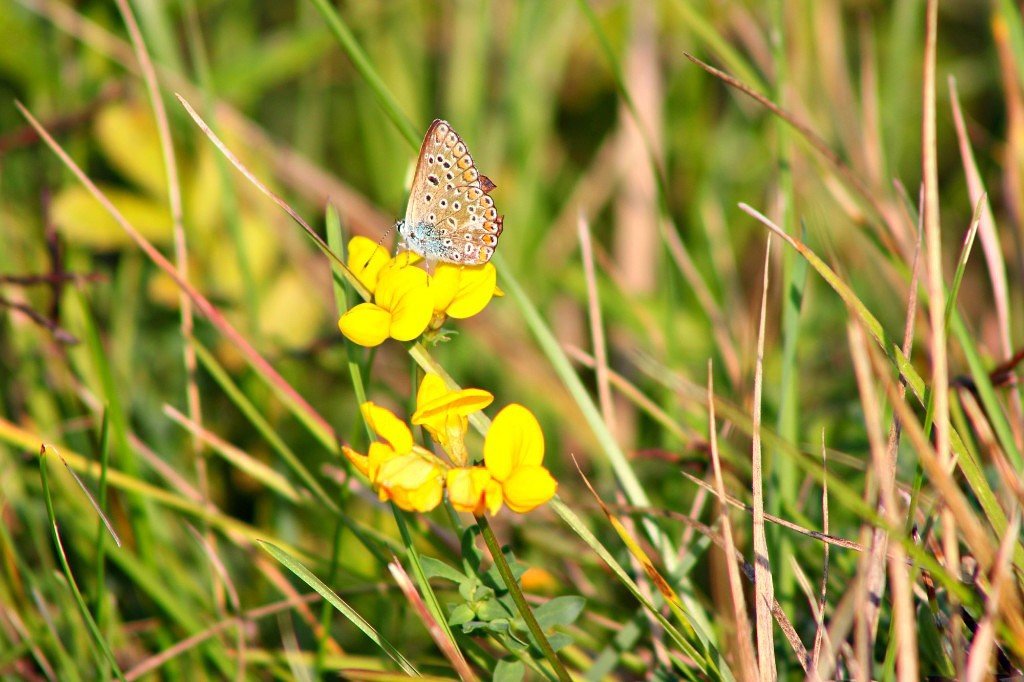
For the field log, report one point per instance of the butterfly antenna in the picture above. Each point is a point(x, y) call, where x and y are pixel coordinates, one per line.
point(380, 242)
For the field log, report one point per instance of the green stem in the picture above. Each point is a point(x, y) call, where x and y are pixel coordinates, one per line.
point(519, 599)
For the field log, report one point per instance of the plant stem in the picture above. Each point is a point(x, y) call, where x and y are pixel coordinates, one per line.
point(519, 599)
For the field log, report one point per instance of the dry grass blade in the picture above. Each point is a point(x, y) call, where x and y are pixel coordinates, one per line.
point(987, 232)
point(763, 586)
point(745, 647)
point(980, 655)
point(281, 203)
point(201, 302)
point(991, 246)
point(936, 288)
point(938, 472)
point(903, 607)
point(823, 537)
point(437, 633)
point(174, 199)
point(815, 140)
point(819, 610)
point(92, 500)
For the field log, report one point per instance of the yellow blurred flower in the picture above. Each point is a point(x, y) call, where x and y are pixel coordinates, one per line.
point(443, 413)
point(398, 469)
point(401, 309)
point(461, 291)
point(513, 452)
point(366, 259)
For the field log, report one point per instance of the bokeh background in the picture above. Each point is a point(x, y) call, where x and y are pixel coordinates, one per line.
point(579, 111)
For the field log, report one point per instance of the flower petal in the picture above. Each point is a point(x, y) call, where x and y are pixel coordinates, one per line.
point(366, 259)
point(366, 324)
point(360, 461)
point(528, 488)
point(379, 454)
point(431, 388)
point(475, 289)
point(467, 487)
point(404, 292)
point(514, 440)
point(444, 285)
point(438, 408)
point(388, 427)
point(413, 481)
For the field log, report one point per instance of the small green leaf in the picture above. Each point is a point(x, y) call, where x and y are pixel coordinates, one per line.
point(434, 568)
point(559, 611)
point(559, 640)
point(492, 610)
point(470, 590)
point(509, 670)
point(461, 615)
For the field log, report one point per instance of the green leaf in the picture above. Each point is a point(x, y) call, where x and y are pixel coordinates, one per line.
point(559, 640)
point(509, 670)
point(492, 610)
point(435, 568)
point(461, 615)
point(560, 611)
point(337, 602)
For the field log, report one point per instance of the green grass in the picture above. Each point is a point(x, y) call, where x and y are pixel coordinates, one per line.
point(215, 530)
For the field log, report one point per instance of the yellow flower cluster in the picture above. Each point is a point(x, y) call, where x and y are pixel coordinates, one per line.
point(414, 478)
point(406, 302)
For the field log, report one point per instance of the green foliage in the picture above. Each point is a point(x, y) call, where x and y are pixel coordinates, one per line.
point(216, 530)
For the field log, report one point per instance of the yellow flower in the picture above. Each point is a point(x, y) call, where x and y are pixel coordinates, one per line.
point(366, 259)
point(513, 452)
point(461, 291)
point(471, 489)
point(401, 309)
point(398, 469)
point(443, 413)
point(413, 481)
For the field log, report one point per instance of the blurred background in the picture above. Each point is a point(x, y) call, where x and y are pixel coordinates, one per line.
point(576, 110)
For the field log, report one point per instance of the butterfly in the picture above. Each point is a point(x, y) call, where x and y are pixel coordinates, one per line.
point(450, 216)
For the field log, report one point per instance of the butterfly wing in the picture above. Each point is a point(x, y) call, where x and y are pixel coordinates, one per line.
point(449, 202)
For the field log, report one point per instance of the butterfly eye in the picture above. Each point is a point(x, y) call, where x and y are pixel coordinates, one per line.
point(442, 203)
point(460, 149)
point(431, 218)
point(449, 175)
point(455, 205)
point(426, 197)
point(471, 209)
point(465, 162)
point(452, 139)
point(470, 175)
point(433, 179)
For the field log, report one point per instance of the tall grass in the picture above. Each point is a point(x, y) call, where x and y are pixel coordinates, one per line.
point(759, 265)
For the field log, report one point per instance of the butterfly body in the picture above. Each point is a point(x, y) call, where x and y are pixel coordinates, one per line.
point(450, 217)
